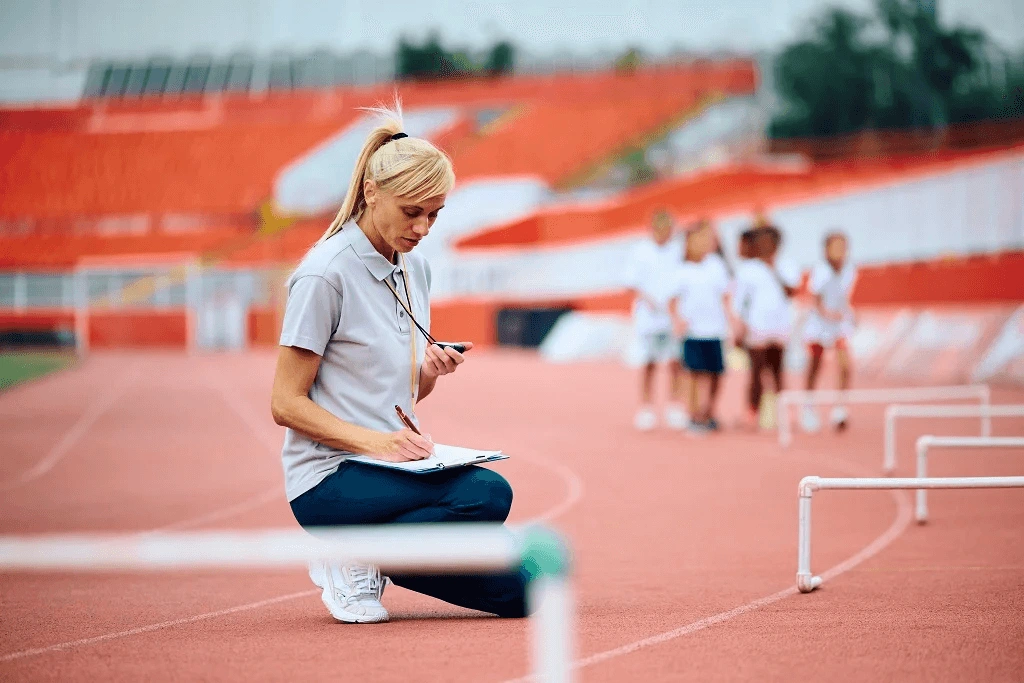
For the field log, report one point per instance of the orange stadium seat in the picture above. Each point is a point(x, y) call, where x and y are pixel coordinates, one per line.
point(214, 160)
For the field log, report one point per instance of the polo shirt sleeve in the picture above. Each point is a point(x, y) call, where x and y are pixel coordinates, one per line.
point(311, 315)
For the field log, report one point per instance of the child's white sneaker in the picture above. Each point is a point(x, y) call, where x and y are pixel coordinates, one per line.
point(352, 592)
point(645, 420)
point(809, 421)
point(840, 418)
point(676, 417)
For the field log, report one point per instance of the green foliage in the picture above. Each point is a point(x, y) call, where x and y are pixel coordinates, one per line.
point(629, 61)
point(501, 59)
point(639, 169)
point(894, 69)
point(432, 60)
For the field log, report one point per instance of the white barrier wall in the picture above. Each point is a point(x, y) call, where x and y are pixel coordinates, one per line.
point(974, 209)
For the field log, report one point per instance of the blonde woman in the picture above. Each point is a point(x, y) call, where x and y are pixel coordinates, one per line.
point(350, 351)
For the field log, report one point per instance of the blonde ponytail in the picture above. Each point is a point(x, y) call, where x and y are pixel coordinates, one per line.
point(408, 167)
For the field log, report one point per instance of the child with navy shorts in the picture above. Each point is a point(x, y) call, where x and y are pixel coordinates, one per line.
point(700, 294)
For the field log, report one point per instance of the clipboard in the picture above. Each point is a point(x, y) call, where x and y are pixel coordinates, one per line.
point(444, 457)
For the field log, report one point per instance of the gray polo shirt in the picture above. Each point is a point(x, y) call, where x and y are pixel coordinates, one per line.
point(340, 308)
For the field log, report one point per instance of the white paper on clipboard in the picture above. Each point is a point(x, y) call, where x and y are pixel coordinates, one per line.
point(444, 457)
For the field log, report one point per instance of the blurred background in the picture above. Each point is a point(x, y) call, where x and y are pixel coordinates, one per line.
point(163, 165)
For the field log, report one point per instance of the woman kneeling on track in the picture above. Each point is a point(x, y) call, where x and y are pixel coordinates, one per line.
point(349, 354)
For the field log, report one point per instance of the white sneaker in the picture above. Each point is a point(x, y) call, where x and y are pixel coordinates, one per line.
point(840, 416)
point(352, 592)
point(645, 420)
point(809, 421)
point(676, 417)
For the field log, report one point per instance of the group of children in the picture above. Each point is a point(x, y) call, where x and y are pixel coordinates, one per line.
point(690, 303)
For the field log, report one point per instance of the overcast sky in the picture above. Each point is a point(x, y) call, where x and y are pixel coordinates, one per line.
point(113, 29)
point(659, 25)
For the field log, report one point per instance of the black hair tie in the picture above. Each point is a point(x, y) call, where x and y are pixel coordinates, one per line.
point(398, 136)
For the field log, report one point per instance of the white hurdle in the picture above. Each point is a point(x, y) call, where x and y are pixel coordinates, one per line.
point(925, 443)
point(410, 548)
point(793, 397)
point(807, 581)
point(985, 411)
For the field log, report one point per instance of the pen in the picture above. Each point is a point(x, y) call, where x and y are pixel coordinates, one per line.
point(405, 419)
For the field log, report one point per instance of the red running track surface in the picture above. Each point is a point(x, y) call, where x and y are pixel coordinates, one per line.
point(685, 548)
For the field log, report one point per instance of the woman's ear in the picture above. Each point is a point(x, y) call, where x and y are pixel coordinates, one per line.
point(370, 192)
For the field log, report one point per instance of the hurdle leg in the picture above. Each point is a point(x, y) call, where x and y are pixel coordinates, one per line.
point(921, 495)
point(889, 460)
point(986, 418)
point(805, 580)
point(551, 627)
point(549, 597)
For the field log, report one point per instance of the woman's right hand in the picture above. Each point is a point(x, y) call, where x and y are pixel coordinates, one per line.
point(402, 446)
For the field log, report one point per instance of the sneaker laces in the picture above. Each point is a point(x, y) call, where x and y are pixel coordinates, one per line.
point(365, 580)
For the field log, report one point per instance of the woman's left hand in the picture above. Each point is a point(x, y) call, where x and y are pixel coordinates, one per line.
point(442, 361)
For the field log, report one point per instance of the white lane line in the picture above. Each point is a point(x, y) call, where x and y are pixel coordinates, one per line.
point(77, 431)
point(153, 627)
point(574, 492)
point(573, 488)
point(898, 526)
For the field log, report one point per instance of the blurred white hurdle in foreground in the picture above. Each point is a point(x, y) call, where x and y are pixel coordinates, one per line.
point(925, 443)
point(805, 580)
point(792, 398)
point(413, 548)
point(985, 411)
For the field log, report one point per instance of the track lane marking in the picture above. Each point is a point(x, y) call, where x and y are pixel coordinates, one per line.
point(574, 492)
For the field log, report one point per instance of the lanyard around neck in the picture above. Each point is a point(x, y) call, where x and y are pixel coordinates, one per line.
point(413, 375)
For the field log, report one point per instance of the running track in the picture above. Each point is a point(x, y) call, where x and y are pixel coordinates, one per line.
point(685, 548)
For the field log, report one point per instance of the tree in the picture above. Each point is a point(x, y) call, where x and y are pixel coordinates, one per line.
point(501, 59)
point(918, 74)
point(432, 60)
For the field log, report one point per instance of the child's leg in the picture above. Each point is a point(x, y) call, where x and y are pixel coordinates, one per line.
point(840, 416)
point(713, 382)
point(814, 364)
point(647, 384)
point(774, 356)
point(843, 361)
point(693, 395)
point(757, 364)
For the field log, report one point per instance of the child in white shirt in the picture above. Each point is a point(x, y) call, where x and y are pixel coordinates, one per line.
point(649, 276)
point(701, 290)
point(830, 323)
point(762, 305)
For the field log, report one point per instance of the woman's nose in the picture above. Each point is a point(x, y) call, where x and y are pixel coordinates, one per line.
point(421, 227)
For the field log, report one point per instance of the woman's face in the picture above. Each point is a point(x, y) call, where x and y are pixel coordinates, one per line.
point(401, 222)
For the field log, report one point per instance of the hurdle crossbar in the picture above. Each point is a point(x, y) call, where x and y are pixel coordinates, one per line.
point(807, 581)
point(984, 411)
point(415, 548)
point(790, 398)
point(926, 443)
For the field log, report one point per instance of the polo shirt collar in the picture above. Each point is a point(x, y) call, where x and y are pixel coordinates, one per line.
point(378, 266)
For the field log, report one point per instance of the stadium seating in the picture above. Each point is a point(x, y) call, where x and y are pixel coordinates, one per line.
point(156, 164)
